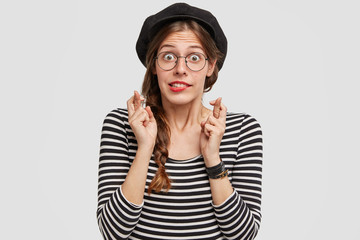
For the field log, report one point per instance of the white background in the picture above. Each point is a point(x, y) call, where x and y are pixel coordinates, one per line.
point(293, 65)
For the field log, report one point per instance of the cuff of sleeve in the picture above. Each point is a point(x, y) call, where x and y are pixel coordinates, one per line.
point(130, 204)
point(224, 205)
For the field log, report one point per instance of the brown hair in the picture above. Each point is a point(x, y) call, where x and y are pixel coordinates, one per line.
point(151, 92)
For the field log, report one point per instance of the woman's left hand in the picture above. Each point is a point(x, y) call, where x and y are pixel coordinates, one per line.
point(212, 132)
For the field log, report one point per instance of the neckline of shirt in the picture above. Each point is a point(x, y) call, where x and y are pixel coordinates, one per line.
point(184, 160)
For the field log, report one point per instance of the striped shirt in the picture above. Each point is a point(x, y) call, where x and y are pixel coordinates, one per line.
point(187, 210)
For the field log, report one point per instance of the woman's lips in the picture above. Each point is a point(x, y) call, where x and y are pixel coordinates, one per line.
point(178, 86)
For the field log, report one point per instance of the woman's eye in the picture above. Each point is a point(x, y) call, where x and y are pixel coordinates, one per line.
point(169, 57)
point(194, 58)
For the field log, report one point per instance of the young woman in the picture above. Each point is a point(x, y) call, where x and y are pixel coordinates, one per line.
point(169, 167)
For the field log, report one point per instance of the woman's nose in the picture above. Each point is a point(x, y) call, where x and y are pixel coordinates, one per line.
point(181, 67)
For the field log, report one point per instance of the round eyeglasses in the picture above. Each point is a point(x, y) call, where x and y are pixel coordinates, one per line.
point(194, 61)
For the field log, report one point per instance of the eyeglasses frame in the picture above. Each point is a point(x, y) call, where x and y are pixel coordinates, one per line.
point(177, 59)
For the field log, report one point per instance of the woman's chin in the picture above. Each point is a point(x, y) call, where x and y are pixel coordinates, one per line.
point(180, 100)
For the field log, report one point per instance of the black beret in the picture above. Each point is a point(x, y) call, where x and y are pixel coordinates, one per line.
point(175, 12)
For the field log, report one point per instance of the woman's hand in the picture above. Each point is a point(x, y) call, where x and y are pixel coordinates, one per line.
point(212, 131)
point(142, 122)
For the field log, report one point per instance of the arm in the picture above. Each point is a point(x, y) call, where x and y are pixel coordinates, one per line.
point(212, 133)
point(121, 186)
point(239, 216)
point(143, 124)
point(116, 215)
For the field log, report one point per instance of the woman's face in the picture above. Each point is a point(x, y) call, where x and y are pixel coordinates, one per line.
point(181, 85)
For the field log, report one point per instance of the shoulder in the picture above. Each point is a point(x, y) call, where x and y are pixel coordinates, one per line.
point(119, 114)
point(243, 119)
point(118, 117)
point(242, 123)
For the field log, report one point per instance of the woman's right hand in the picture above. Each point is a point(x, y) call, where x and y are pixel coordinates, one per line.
point(142, 122)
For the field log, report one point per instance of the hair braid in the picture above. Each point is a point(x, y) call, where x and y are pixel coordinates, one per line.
point(161, 180)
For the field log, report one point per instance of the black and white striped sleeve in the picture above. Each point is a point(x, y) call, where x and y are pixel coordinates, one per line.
point(239, 216)
point(116, 216)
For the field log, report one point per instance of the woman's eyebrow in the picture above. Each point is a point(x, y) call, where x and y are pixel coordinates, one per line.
point(198, 47)
point(166, 45)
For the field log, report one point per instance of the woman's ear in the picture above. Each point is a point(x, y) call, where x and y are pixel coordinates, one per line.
point(211, 68)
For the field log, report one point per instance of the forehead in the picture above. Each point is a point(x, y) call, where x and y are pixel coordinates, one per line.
point(183, 39)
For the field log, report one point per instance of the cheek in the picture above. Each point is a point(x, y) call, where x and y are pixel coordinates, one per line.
point(162, 80)
point(201, 80)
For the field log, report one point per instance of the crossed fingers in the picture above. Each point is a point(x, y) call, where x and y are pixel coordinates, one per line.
point(135, 111)
point(219, 108)
point(134, 103)
point(215, 123)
